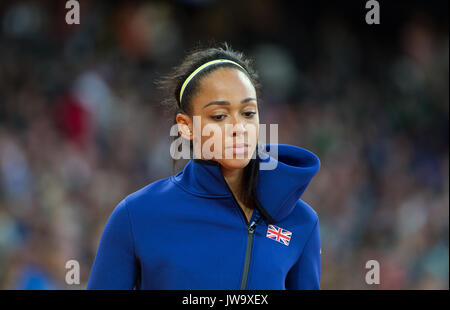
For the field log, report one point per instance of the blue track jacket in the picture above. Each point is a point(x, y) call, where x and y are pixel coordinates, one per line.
point(187, 231)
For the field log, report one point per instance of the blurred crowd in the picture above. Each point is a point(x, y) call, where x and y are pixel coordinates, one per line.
point(81, 126)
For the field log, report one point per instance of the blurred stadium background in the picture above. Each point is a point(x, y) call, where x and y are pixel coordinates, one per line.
point(81, 128)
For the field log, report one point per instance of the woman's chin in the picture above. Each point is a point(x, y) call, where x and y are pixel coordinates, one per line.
point(234, 163)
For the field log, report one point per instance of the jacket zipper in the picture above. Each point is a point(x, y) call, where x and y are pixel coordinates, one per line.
point(251, 230)
point(248, 254)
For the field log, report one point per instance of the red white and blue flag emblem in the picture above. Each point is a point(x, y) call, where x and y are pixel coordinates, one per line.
point(279, 234)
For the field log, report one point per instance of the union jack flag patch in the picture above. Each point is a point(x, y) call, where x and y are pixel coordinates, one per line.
point(279, 234)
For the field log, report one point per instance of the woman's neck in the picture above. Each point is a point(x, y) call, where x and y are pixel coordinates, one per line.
point(234, 179)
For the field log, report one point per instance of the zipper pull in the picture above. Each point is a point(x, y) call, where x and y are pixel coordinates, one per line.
point(252, 227)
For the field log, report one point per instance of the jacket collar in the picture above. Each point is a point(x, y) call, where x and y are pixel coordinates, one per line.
point(277, 190)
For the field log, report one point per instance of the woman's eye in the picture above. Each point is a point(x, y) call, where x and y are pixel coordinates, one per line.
point(249, 114)
point(218, 117)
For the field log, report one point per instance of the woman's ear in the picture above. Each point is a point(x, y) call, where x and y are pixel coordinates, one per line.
point(184, 126)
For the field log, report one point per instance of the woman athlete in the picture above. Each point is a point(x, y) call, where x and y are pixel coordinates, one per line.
point(223, 222)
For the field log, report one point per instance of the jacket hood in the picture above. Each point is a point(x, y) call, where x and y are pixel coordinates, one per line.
point(285, 173)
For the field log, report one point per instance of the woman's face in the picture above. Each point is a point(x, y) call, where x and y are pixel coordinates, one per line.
point(226, 103)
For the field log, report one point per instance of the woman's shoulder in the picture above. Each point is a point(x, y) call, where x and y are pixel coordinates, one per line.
point(153, 193)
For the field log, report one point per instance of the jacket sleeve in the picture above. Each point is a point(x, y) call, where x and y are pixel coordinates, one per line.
point(115, 265)
point(305, 274)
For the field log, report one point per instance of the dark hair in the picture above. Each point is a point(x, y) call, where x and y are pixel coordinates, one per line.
point(172, 83)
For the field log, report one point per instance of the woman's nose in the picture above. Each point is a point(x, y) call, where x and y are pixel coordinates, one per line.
point(239, 128)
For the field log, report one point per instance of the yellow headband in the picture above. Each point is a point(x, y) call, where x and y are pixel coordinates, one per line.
point(209, 63)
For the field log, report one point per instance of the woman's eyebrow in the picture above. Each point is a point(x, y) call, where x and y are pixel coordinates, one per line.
point(227, 102)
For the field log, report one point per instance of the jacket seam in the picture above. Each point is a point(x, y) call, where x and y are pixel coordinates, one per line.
point(131, 229)
point(307, 241)
point(195, 193)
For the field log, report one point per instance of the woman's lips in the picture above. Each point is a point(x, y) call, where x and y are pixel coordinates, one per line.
point(240, 148)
